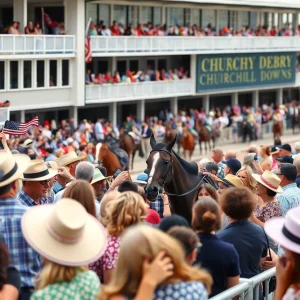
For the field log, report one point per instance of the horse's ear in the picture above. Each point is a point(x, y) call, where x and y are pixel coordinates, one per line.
point(170, 145)
point(152, 141)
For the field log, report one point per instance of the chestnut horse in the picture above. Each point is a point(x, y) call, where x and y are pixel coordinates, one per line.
point(204, 136)
point(107, 158)
point(277, 129)
point(188, 142)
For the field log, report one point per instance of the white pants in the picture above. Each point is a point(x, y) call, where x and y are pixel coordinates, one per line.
point(145, 143)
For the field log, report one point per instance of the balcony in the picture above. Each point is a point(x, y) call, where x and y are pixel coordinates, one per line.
point(160, 45)
point(137, 91)
point(37, 45)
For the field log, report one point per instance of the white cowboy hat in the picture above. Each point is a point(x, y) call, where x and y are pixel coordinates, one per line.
point(27, 143)
point(37, 171)
point(52, 165)
point(98, 176)
point(55, 234)
point(12, 167)
point(269, 180)
point(68, 159)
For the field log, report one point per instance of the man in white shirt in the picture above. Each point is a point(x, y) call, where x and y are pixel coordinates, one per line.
point(99, 130)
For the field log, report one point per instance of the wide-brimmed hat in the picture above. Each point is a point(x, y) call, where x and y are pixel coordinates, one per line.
point(269, 180)
point(27, 143)
point(286, 231)
point(37, 170)
point(52, 165)
point(12, 167)
point(232, 180)
point(68, 159)
point(141, 178)
point(55, 234)
point(98, 176)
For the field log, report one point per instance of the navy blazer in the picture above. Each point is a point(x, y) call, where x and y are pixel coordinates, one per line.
point(148, 133)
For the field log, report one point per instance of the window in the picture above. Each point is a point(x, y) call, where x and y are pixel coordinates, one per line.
point(162, 64)
point(253, 20)
point(243, 19)
point(120, 14)
point(157, 18)
point(53, 73)
point(134, 65)
point(65, 72)
point(176, 16)
point(2, 72)
point(103, 10)
point(208, 17)
point(121, 67)
point(27, 76)
point(223, 19)
point(146, 14)
point(40, 73)
point(195, 17)
point(14, 75)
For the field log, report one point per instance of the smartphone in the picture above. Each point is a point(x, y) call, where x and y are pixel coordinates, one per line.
point(117, 173)
point(255, 157)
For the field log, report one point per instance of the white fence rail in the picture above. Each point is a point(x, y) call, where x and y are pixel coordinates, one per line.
point(138, 90)
point(130, 45)
point(250, 289)
point(36, 44)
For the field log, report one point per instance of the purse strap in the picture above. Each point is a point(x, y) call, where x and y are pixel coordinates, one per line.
point(267, 243)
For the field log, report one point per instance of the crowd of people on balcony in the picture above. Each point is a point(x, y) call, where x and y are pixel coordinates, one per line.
point(136, 76)
point(149, 29)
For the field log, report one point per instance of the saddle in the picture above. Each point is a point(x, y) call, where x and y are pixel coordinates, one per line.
point(114, 146)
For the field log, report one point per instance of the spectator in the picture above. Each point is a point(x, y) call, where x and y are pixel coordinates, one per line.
point(225, 268)
point(230, 154)
point(217, 157)
point(13, 29)
point(284, 150)
point(207, 191)
point(29, 29)
point(297, 164)
point(38, 29)
point(266, 163)
point(202, 164)
point(231, 166)
point(174, 220)
point(99, 184)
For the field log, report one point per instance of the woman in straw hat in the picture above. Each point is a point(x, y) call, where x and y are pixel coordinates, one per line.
point(286, 231)
point(128, 209)
point(133, 278)
point(67, 245)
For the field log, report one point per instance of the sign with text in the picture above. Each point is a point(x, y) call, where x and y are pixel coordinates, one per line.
point(236, 71)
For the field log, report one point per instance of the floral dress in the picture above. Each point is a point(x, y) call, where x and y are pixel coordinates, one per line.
point(108, 260)
point(269, 211)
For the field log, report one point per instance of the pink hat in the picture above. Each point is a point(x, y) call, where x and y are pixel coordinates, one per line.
point(286, 231)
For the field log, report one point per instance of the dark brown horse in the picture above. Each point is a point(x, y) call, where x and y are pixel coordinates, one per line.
point(171, 134)
point(173, 175)
point(188, 143)
point(277, 129)
point(204, 136)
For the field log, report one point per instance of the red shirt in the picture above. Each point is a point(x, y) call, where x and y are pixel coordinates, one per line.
point(114, 30)
point(152, 217)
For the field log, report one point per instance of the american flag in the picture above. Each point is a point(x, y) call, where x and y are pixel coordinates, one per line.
point(18, 128)
point(88, 50)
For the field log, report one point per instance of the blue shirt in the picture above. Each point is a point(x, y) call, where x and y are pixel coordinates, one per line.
point(290, 198)
point(298, 181)
point(219, 266)
point(250, 243)
point(22, 256)
point(27, 201)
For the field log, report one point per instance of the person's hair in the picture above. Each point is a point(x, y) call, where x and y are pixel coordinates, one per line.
point(296, 162)
point(112, 195)
point(249, 161)
point(4, 262)
point(85, 171)
point(128, 273)
point(5, 189)
point(187, 238)
point(53, 272)
point(267, 150)
point(211, 190)
point(271, 193)
point(81, 191)
point(59, 153)
point(252, 181)
point(238, 203)
point(171, 221)
point(219, 152)
point(289, 171)
point(252, 149)
point(142, 193)
point(206, 215)
point(128, 186)
point(212, 166)
point(128, 209)
point(277, 142)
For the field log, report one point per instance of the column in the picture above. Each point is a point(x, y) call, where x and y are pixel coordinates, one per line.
point(234, 99)
point(141, 110)
point(255, 99)
point(174, 106)
point(73, 113)
point(280, 21)
point(163, 15)
point(295, 20)
point(22, 116)
point(20, 13)
point(206, 103)
point(217, 26)
point(111, 12)
point(113, 64)
point(113, 113)
point(193, 71)
point(279, 96)
point(75, 25)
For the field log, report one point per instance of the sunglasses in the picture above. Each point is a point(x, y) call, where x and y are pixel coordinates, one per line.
point(44, 182)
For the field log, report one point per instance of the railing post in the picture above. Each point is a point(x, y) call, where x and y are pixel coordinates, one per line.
point(14, 44)
point(44, 43)
point(64, 44)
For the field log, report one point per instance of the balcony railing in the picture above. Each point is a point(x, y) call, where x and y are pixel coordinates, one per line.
point(132, 45)
point(36, 44)
point(138, 90)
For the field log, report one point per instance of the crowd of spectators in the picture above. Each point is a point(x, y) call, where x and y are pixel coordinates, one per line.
point(149, 29)
point(136, 76)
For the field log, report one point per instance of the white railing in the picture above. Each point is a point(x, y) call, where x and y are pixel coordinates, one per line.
point(138, 90)
point(250, 289)
point(36, 44)
point(130, 45)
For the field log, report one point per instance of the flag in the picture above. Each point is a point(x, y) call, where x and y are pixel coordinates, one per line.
point(88, 50)
point(18, 128)
point(46, 18)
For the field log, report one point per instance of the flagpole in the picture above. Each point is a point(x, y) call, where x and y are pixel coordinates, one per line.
point(43, 22)
point(88, 27)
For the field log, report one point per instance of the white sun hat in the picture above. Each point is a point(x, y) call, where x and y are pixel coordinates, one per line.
point(37, 171)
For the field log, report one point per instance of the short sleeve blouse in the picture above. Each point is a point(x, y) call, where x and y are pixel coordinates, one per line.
point(269, 211)
point(293, 293)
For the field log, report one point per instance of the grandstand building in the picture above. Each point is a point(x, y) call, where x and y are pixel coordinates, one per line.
point(233, 57)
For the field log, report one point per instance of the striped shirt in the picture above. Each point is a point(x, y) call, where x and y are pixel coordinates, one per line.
point(22, 256)
point(220, 173)
point(290, 198)
point(28, 201)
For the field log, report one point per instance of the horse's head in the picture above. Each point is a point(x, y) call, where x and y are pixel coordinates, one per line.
point(159, 164)
point(101, 150)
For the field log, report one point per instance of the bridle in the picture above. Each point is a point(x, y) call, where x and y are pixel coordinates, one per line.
point(168, 173)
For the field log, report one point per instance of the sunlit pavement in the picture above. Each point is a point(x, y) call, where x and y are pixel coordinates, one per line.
point(241, 148)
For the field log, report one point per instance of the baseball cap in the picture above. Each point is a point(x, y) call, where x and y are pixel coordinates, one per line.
point(286, 147)
point(274, 150)
point(233, 163)
point(285, 159)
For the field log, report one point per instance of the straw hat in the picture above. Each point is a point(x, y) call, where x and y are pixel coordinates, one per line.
point(68, 159)
point(286, 231)
point(12, 167)
point(38, 171)
point(269, 180)
point(54, 233)
point(98, 176)
point(52, 165)
point(232, 180)
point(27, 143)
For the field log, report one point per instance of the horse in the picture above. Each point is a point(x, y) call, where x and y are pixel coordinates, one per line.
point(277, 129)
point(176, 177)
point(188, 142)
point(171, 134)
point(129, 146)
point(204, 136)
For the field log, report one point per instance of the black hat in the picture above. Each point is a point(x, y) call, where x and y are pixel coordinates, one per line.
point(286, 147)
point(171, 221)
point(233, 163)
point(285, 159)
